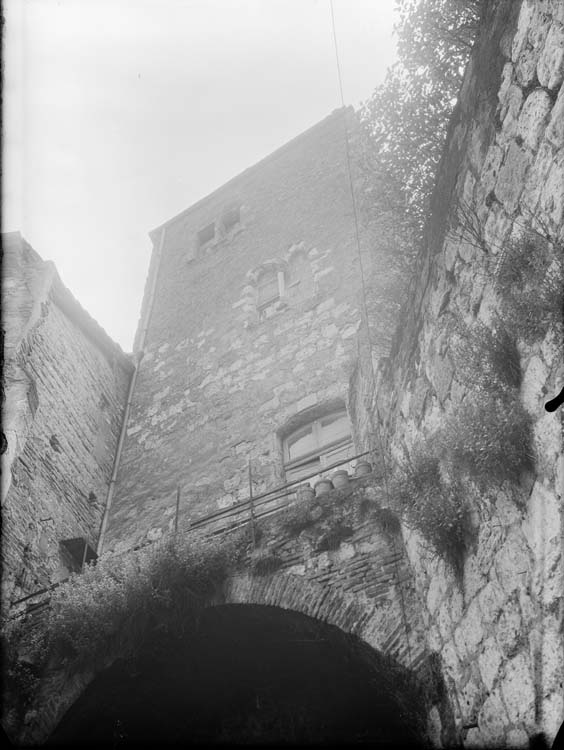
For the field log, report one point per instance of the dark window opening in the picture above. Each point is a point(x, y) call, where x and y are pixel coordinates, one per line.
point(54, 443)
point(76, 553)
point(206, 235)
point(32, 397)
point(231, 218)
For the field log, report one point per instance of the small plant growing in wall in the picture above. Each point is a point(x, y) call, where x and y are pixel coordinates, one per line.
point(437, 509)
point(529, 281)
point(300, 516)
point(332, 537)
point(487, 438)
point(120, 601)
point(485, 358)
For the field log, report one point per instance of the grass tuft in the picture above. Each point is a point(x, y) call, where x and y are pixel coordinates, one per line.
point(488, 438)
point(529, 281)
point(485, 358)
point(437, 509)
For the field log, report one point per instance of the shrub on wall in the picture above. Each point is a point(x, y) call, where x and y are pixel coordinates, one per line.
point(529, 281)
point(437, 509)
point(122, 599)
point(484, 357)
point(487, 438)
point(299, 516)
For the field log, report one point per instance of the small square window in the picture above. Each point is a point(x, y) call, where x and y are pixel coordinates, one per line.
point(76, 553)
point(206, 235)
point(231, 218)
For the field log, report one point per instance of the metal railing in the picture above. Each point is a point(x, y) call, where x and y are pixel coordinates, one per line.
point(260, 506)
point(243, 513)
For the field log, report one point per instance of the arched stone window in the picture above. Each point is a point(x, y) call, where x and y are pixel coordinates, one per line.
point(317, 444)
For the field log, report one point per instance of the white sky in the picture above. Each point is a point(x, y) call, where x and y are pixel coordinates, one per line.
point(118, 114)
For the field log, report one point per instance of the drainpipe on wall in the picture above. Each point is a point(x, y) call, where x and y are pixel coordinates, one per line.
point(125, 420)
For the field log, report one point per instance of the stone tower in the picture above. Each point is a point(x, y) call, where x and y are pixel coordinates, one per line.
point(247, 332)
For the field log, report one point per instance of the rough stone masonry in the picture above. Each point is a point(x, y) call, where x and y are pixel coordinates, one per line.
point(220, 379)
point(498, 633)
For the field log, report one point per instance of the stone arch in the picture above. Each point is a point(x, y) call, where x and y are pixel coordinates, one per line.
point(309, 412)
point(354, 615)
point(375, 619)
point(362, 695)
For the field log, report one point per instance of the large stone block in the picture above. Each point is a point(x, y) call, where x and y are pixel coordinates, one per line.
point(493, 720)
point(550, 66)
point(518, 691)
point(489, 661)
point(555, 129)
point(511, 177)
point(533, 118)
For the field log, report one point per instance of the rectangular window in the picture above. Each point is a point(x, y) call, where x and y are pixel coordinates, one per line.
point(268, 289)
point(317, 445)
point(206, 235)
point(231, 218)
point(76, 553)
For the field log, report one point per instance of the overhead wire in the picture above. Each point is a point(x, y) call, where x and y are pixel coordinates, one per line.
point(377, 429)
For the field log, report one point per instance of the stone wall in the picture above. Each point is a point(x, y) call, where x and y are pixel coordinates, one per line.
point(346, 567)
point(218, 382)
point(65, 385)
point(498, 630)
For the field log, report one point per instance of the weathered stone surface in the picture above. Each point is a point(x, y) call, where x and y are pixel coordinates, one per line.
point(474, 579)
point(512, 120)
point(533, 117)
point(511, 176)
point(536, 177)
point(555, 129)
point(543, 529)
point(65, 384)
point(509, 630)
point(526, 65)
point(552, 654)
point(514, 568)
point(434, 727)
point(534, 379)
point(553, 710)
point(451, 662)
point(517, 738)
point(518, 691)
point(512, 562)
point(492, 720)
point(524, 23)
point(471, 699)
point(552, 196)
point(474, 738)
point(490, 660)
point(550, 67)
point(470, 632)
point(251, 375)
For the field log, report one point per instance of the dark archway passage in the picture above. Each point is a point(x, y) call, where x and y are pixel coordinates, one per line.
point(249, 674)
